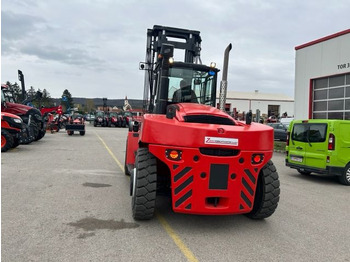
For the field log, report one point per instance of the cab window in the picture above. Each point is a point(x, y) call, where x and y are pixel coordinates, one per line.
point(315, 133)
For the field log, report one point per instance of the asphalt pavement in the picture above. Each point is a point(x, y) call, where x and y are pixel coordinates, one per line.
point(66, 198)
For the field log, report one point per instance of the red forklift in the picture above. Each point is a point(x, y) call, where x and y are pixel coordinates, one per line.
point(210, 163)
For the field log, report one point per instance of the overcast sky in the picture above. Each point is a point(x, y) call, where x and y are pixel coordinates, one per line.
point(93, 48)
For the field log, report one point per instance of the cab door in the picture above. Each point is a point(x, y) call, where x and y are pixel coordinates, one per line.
point(316, 146)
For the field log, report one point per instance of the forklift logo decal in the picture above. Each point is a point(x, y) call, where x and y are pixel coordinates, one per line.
point(220, 141)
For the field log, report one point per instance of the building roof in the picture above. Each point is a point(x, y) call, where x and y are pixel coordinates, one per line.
point(257, 96)
point(347, 31)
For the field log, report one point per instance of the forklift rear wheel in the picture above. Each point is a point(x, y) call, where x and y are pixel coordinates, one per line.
point(144, 185)
point(267, 193)
point(126, 170)
point(6, 141)
point(345, 177)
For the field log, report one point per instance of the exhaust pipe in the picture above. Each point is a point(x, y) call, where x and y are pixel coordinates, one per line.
point(21, 79)
point(223, 83)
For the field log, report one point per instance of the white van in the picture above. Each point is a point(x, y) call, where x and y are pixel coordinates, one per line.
point(286, 121)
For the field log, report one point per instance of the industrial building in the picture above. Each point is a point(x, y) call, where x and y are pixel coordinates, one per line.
point(322, 78)
point(268, 104)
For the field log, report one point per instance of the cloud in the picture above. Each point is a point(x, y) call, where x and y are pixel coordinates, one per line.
point(86, 43)
point(16, 29)
point(72, 56)
point(19, 26)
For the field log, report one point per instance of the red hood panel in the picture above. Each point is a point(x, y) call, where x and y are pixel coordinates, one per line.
point(186, 109)
point(9, 115)
point(157, 129)
point(17, 109)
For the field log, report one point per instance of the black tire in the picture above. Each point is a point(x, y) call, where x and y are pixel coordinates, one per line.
point(345, 177)
point(126, 170)
point(35, 130)
point(305, 173)
point(6, 140)
point(27, 137)
point(41, 134)
point(144, 190)
point(70, 133)
point(15, 142)
point(82, 133)
point(95, 124)
point(267, 193)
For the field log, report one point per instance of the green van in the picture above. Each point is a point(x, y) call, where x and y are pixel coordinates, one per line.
point(321, 146)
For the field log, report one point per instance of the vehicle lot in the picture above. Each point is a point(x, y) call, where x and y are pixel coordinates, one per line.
point(66, 198)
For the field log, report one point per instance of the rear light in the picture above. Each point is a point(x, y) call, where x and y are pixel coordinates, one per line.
point(173, 154)
point(287, 141)
point(257, 158)
point(328, 159)
point(331, 142)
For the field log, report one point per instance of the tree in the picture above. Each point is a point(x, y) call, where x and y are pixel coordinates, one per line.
point(67, 100)
point(89, 106)
point(46, 99)
point(17, 91)
point(31, 92)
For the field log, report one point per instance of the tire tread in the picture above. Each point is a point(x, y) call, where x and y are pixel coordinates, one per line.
point(143, 203)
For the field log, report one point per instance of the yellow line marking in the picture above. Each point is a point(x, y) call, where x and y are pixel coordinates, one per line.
point(184, 249)
point(181, 245)
point(111, 153)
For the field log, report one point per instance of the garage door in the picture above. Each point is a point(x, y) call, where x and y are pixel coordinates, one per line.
point(331, 97)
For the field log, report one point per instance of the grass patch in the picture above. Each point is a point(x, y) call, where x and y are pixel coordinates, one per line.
point(280, 145)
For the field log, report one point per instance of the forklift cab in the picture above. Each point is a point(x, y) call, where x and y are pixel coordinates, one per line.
point(200, 85)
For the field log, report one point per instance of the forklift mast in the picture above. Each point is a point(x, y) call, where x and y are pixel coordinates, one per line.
point(161, 41)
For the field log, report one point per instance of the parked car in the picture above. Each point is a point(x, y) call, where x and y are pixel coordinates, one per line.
point(89, 117)
point(320, 146)
point(286, 121)
point(272, 119)
point(280, 131)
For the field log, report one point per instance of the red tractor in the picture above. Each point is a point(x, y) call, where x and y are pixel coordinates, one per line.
point(13, 131)
point(113, 119)
point(99, 118)
point(31, 116)
point(76, 123)
point(129, 117)
point(210, 163)
point(53, 117)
